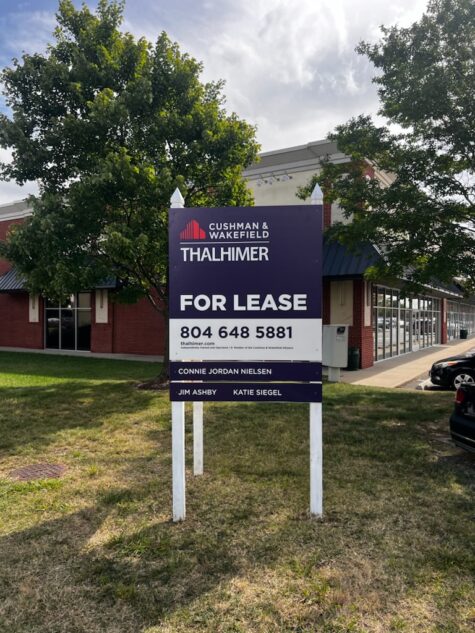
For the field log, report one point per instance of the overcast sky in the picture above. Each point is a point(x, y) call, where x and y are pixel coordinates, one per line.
point(289, 66)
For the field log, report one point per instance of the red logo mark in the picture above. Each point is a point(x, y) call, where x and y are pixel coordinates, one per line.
point(192, 231)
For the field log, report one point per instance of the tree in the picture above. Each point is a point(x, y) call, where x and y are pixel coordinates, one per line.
point(109, 126)
point(424, 220)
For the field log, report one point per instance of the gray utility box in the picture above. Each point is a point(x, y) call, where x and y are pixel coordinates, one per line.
point(335, 345)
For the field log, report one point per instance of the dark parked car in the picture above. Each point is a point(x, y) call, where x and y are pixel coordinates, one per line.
point(454, 371)
point(462, 420)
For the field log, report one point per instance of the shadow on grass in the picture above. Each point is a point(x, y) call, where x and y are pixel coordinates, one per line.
point(34, 414)
point(378, 425)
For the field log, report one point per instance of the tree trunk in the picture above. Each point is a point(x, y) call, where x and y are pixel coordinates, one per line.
point(162, 380)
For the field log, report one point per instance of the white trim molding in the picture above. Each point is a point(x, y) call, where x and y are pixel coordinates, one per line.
point(15, 210)
point(102, 306)
point(33, 308)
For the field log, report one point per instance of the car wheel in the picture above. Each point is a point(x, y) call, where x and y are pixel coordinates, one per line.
point(462, 377)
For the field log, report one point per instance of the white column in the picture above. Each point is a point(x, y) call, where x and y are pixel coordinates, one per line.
point(316, 437)
point(178, 460)
point(178, 428)
point(197, 438)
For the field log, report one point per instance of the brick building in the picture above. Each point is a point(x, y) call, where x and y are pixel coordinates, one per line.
point(89, 322)
point(382, 323)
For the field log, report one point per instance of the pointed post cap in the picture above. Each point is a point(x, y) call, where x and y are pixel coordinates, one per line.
point(177, 200)
point(317, 195)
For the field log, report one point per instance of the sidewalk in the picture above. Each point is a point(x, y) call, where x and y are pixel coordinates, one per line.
point(78, 354)
point(400, 370)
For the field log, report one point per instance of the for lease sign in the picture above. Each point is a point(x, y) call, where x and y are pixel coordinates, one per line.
point(245, 283)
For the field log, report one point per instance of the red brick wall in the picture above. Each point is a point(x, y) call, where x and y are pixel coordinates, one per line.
point(137, 329)
point(131, 329)
point(359, 335)
point(15, 330)
point(102, 333)
point(366, 347)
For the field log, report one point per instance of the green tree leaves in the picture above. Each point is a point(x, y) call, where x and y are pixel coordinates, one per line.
point(109, 126)
point(423, 216)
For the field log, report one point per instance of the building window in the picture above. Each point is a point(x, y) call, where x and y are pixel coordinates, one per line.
point(68, 326)
point(403, 324)
point(460, 316)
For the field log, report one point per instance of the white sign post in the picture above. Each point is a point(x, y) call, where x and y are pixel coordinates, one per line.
point(316, 435)
point(178, 460)
point(197, 438)
point(178, 429)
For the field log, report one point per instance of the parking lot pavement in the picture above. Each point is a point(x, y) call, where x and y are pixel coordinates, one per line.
point(423, 383)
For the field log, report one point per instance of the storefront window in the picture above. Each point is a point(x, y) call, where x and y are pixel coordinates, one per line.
point(402, 324)
point(68, 326)
point(460, 316)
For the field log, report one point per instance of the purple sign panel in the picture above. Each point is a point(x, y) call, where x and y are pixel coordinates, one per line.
point(240, 371)
point(245, 392)
point(245, 284)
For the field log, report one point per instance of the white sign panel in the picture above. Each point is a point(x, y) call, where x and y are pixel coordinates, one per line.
point(246, 339)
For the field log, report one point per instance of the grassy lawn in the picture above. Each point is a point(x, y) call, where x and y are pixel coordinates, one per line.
point(95, 551)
